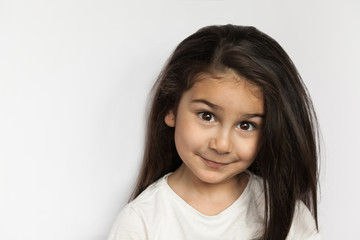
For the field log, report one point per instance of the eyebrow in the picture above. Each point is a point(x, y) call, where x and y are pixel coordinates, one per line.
point(210, 104)
point(217, 107)
point(254, 115)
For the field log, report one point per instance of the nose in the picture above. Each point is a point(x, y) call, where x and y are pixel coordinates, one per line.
point(221, 142)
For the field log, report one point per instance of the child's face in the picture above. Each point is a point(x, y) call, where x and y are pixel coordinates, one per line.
point(217, 127)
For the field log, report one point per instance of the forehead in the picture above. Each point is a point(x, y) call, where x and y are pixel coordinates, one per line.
point(226, 78)
point(228, 90)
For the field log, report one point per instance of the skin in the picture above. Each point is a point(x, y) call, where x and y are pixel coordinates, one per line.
point(217, 134)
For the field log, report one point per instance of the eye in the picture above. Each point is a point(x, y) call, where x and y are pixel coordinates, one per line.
point(207, 116)
point(246, 126)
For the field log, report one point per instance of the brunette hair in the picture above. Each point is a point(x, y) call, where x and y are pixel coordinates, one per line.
point(287, 158)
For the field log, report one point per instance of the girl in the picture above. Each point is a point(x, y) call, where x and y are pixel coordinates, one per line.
point(231, 145)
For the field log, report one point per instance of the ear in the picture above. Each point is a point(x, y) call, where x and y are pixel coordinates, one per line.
point(170, 118)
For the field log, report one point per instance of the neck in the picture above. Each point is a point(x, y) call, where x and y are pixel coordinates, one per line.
point(186, 184)
point(209, 199)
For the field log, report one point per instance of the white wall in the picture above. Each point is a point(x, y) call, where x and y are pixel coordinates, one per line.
point(74, 79)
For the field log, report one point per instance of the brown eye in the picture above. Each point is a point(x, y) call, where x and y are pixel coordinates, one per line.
point(206, 116)
point(246, 126)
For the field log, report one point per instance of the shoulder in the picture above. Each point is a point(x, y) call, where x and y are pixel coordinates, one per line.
point(131, 221)
point(128, 225)
point(303, 225)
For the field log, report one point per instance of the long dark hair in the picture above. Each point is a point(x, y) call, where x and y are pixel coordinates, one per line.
point(287, 158)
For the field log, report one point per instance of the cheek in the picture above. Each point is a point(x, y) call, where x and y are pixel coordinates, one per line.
point(247, 149)
point(188, 136)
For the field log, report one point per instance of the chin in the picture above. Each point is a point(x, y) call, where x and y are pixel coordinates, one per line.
point(212, 178)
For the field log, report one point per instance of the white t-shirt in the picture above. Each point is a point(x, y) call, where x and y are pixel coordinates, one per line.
point(159, 213)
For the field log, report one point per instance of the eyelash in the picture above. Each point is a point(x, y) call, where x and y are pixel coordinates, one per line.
point(212, 119)
point(251, 125)
point(201, 114)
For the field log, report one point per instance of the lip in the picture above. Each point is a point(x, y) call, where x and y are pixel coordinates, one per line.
point(213, 164)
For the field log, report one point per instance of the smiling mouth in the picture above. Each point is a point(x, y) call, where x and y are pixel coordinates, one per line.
point(213, 164)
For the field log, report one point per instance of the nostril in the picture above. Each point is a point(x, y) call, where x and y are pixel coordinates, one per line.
point(222, 144)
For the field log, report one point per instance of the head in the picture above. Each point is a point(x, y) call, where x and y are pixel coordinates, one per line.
point(218, 122)
point(286, 154)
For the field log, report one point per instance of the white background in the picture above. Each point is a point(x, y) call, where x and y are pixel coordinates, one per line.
point(74, 82)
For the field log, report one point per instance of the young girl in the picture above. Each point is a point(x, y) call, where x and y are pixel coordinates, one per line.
point(231, 146)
